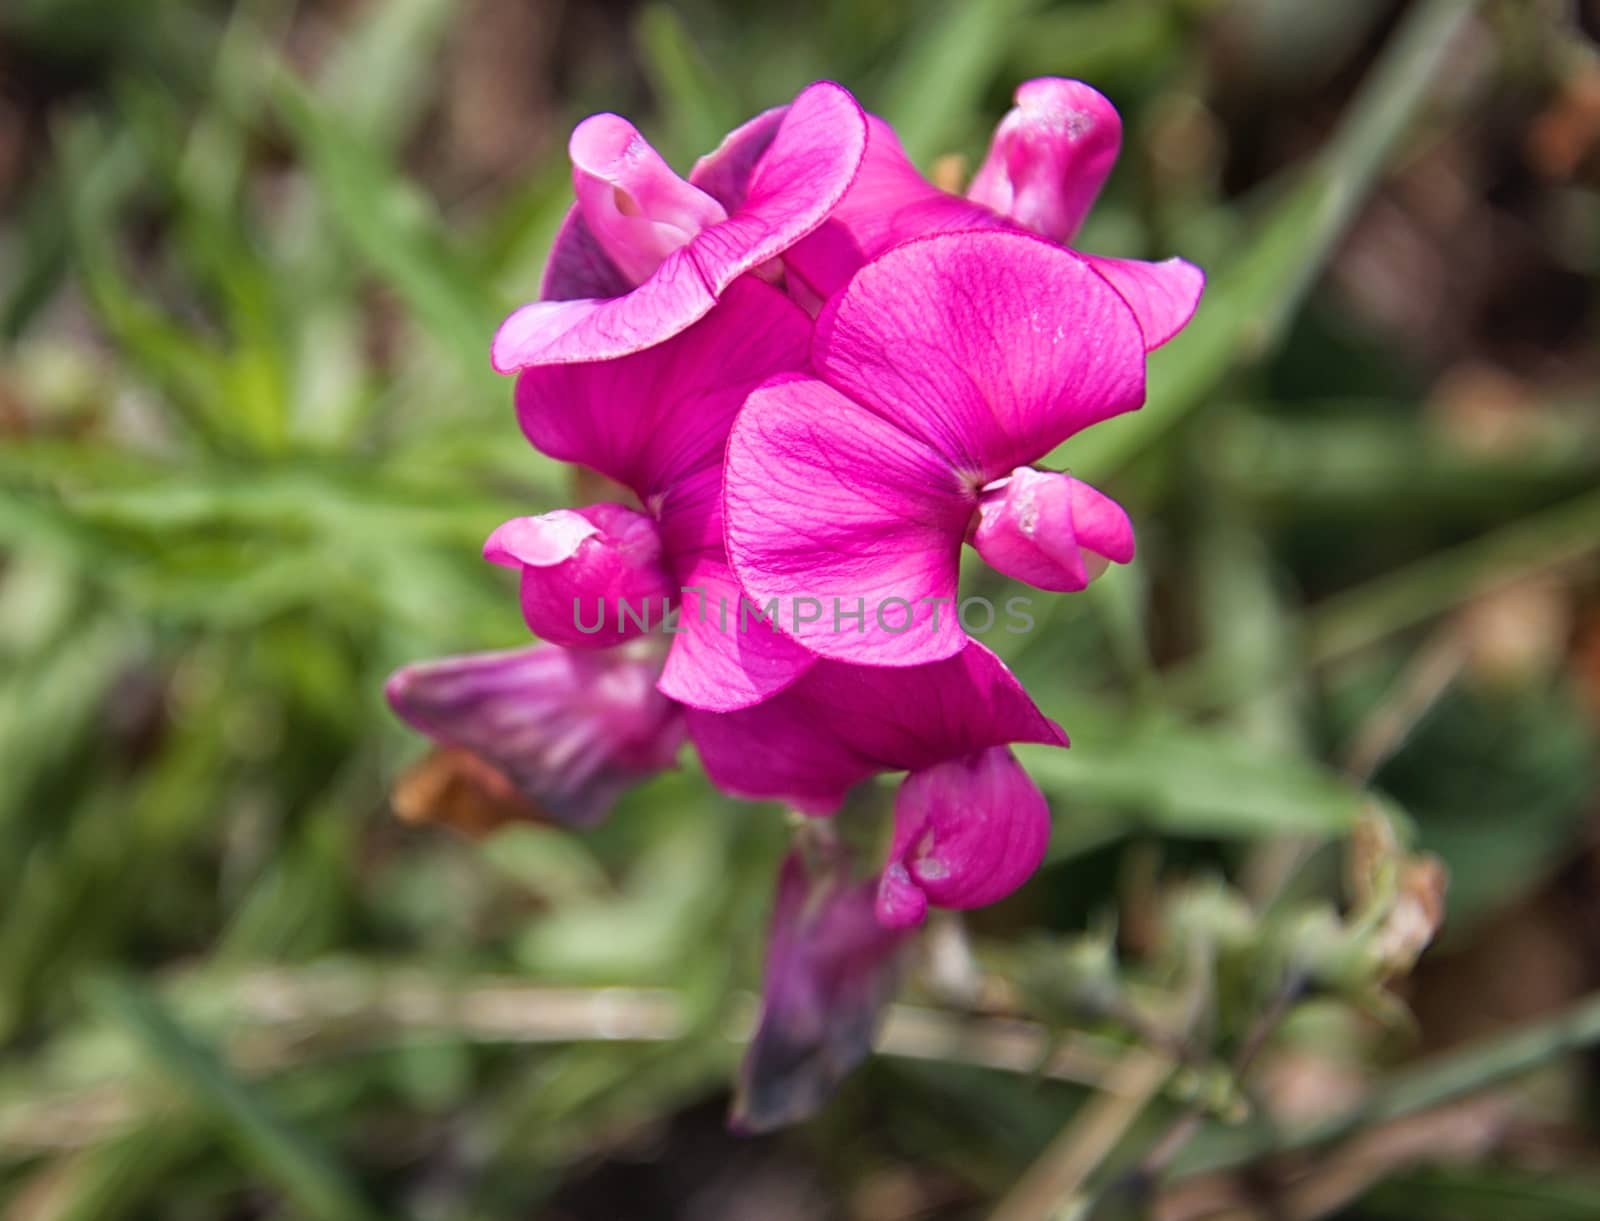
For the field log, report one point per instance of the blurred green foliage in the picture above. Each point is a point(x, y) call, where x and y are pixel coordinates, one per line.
point(250, 445)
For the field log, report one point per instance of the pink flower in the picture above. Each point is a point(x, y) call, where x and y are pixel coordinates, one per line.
point(943, 371)
point(1048, 160)
point(970, 826)
point(831, 967)
point(644, 253)
point(657, 421)
point(570, 730)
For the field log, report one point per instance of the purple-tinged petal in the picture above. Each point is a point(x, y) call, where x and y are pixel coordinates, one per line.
point(888, 204)
point(839, 724)
point(1163, 296)
point(591, 577)
point(831, 968)
point(810, 164)
point(967, 833)
point(1038, 526)
point(794, 184)
point(578, 266)
point(651, 419)
point(724, 173)
point(851, 523)
point(1049, 157)
point(638, 210)
point(994, 346)
point(570, 730)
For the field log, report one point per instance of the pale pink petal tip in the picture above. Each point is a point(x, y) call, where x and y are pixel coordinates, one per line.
point(540, 541)
point(591, 577)
point(967, 833)
point(1050, 530)
point(1050, 156)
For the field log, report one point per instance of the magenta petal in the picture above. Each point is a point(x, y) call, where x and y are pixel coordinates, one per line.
point(652, 418)
point(838, 724)
point(1101, 524)
point(776, 751)
point(638, 210)
point(910, 718)
point(831, 968)
point(724, 655)
point(1050, 156)
point(1163, 296)
point(853, 526)
point(967, 833)
point(995, 346)
point(1038, 526)
point(561, 332)
point(901, 903)
point(888, 204)
point(591, 577)
point(571, 730)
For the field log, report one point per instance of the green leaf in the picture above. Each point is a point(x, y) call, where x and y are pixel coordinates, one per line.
point(1187, 782)
point(699, 110)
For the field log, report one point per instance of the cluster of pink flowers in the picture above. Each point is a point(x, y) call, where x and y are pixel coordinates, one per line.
point(814, 376)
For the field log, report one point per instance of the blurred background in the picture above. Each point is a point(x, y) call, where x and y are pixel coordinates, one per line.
point(251, 257)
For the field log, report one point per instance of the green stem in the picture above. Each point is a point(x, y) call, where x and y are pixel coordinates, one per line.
point(1352, 620)
point(1433, 1083)
point(1362, 616)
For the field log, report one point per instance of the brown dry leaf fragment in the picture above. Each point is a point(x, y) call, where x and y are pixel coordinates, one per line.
point(1567, 131)
point(463, 791)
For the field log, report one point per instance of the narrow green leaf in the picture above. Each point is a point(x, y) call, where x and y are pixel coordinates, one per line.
point(380, 78)
point(392, 225)
point(940, 79)
point(1191, 782)
point(297, 1166)
point(698, 109)
point(1249, 301)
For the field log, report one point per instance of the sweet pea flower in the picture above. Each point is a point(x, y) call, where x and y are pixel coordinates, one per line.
point(570, 731)
point(643, 254)
point(656, 421)
point(1049, 157)
point(970, 826)
point(945, 369)
point(831, 968)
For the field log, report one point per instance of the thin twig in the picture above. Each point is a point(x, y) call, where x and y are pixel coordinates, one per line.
point(1059, 1174)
